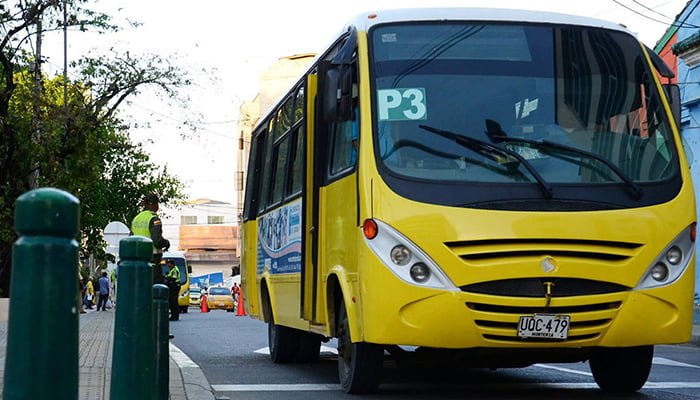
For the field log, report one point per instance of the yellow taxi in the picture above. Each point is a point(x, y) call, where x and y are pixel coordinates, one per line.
point(219, 298)
point(195, 296)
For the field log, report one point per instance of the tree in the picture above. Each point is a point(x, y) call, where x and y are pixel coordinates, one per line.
point(84, 147)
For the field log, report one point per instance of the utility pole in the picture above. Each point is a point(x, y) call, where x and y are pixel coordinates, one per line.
point(65, 67)
point(36, 117)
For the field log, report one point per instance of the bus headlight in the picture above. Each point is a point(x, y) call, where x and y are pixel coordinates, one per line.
point(674, 255)
point(400, 255)
point(659, 272)
point(405, 259)
point(671, 263)
point(420, 272)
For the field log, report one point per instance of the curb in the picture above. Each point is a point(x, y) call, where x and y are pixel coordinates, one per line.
point(196, 385)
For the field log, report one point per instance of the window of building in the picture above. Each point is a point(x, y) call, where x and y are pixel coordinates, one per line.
point(215, 219)
point(188, 219)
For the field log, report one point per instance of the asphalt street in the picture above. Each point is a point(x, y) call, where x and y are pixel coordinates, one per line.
point(232, 353)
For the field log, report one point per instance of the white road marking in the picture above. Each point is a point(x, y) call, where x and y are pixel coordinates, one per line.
point(666, 361)
point(302, 387)
point(510, 386)
point(324, 349)
point(181, 358)
point(571, 371)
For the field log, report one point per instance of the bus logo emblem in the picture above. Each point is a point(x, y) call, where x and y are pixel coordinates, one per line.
point(548, 265)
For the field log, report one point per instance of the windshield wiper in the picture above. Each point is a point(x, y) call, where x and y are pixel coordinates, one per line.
point(481, 147)
point(548, 145)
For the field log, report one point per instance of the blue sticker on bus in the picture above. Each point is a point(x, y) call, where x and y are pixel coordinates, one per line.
point(279, 240)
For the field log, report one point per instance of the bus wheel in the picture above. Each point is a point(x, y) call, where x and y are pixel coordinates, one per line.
point(621, 370)
point(184, 309)
point(309, 347)
point(283, 342)
point(359, 364)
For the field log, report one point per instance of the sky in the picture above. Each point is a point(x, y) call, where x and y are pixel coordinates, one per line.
point(224, 45)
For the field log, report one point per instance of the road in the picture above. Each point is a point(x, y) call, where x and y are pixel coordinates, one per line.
point(232, 353)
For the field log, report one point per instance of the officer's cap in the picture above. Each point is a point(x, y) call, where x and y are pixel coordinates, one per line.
point(151, 198)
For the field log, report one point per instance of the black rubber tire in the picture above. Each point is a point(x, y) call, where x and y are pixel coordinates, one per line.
point(360, 363)
point(184, 309)
point(283, 342)
point(309, 347)
point(621, 369)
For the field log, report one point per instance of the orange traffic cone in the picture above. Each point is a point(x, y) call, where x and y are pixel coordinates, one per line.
point(240, 311)
point(203, 305)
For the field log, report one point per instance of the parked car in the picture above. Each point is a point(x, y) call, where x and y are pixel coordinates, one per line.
point(195, 296)
point(220, 298)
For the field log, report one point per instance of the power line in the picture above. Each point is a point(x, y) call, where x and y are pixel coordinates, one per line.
point(679, 25)
point(651, 9)
point(181, 122)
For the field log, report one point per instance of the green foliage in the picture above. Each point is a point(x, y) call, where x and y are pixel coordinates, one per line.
point(82, 147)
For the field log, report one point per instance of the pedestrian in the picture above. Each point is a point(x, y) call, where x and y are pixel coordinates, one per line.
point(235, 291)
point(89, 295)
point(103, 283)
point(172, 279)
point(148, 224)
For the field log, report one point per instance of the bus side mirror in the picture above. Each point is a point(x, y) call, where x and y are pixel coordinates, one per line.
point(337, 93)
point(673, 93)
point(189, 269)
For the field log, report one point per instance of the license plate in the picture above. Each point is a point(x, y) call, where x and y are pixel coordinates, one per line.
point(544, 326)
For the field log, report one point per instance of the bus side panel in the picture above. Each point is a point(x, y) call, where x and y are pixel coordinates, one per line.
point(249, 282)
point(338, 245)
point(279, 245)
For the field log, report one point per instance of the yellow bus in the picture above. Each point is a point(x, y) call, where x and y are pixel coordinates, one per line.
point(494, 188)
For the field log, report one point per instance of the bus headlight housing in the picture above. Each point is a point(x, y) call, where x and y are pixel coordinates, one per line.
point(671, 263)
point(405, 259)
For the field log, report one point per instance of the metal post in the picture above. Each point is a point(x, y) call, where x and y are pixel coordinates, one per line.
point(43, 320)
point(133, 357)
point(161, 329)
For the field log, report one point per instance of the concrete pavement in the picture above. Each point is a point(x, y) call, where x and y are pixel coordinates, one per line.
point(95, 362)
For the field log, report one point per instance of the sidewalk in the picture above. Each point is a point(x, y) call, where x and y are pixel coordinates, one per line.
point(95, 361)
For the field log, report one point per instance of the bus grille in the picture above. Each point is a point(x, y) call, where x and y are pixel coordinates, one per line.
point(500, 323)
point(500, 249)
point(535, 287)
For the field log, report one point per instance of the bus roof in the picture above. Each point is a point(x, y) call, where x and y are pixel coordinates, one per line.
point(365, 21)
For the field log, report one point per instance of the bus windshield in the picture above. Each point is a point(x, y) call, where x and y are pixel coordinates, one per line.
point(578, 104)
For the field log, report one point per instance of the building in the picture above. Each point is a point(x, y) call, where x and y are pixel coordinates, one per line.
point(680, 48)
point(274, 83)
point(207, 231)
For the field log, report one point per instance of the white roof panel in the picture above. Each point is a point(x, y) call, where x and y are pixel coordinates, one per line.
point(366, 20)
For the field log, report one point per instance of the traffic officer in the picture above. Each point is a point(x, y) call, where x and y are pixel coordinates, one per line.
point(172, 279)
point(148, 224)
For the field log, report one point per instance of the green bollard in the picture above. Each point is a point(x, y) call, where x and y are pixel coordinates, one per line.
point(133, 354)
point(42, 331)
point(162, 342)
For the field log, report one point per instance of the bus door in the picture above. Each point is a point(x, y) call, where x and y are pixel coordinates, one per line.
point(331, 201)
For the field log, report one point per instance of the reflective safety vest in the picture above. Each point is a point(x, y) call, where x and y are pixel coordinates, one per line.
point(140, 224)
point(174, 273)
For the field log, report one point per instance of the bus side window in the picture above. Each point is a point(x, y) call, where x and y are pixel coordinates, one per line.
point(343, 147)
point(265, 154)
point(255, 165)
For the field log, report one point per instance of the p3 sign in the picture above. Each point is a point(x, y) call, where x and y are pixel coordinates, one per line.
point(402, 104)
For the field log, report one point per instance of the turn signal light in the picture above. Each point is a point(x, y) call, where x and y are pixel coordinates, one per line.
point(370, 229)
point(693, 228)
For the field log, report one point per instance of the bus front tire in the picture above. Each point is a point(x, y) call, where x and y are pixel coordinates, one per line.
point(283, 342)
point(359, 364)
point(621, 370)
